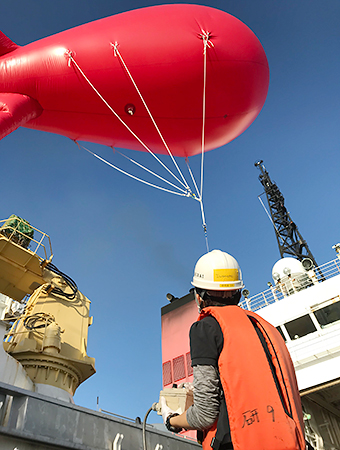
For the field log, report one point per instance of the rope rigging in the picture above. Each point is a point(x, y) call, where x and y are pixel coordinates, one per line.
point(184, 190)
point(205, 36)
point(133, 176)
point(117, 54)
point(71, 59)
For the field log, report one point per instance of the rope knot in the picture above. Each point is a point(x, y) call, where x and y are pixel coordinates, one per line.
point(69, 55)
point(205, 36)
point(115, 48)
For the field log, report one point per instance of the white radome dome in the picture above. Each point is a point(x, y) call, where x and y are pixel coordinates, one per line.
point(285, 267)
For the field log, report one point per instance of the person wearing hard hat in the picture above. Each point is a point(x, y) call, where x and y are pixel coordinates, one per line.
point(245, 390)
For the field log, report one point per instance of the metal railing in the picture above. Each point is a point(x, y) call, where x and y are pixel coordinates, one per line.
point(39, 243)
point(291, 285)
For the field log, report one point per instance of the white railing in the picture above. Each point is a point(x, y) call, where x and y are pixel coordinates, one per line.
point(291, 285)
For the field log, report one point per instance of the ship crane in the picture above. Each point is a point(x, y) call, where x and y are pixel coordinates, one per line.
point(289, 239)
point(45, 349)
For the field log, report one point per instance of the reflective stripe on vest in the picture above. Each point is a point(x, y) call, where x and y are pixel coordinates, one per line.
point(263, 402)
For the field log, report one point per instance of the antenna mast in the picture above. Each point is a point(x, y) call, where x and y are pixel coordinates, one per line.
point(289, 239)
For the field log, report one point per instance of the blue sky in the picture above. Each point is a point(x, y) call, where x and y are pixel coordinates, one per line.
point(127, 245)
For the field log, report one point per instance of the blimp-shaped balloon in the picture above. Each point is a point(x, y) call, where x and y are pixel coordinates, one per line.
point(169, 70)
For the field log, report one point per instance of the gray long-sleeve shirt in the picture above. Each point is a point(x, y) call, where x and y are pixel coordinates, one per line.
point(207, 397)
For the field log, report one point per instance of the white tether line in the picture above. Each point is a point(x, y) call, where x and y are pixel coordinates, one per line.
point(150, 171)
point(117, 53)
point(69, 54)
point(206, 44)
point(129, 174)
point(192, 177)
point(205, 37)
point(277, 231)
point(201, 205)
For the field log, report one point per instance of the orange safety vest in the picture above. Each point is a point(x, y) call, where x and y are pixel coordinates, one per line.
point(264, 409)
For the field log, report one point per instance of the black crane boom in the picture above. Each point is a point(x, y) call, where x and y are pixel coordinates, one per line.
point(289, 239)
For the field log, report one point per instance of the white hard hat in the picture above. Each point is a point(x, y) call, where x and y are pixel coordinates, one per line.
point(217, 271)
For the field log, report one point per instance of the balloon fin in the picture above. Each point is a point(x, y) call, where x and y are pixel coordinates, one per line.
point(15, 111)
point(6, 45)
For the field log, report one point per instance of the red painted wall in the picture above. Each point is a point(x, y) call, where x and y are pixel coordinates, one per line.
point(177, 318)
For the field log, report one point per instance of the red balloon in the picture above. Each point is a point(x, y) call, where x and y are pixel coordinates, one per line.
point(162, 46)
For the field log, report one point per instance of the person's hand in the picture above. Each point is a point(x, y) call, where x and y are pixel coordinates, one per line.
point(166, 411)
point(187, 386)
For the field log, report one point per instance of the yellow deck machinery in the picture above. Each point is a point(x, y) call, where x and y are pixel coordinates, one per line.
point(49, 338)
